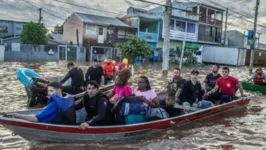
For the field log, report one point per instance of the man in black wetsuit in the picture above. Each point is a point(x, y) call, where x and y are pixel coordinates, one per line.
point(95, 73)
point(97, 106)
point(77, 79)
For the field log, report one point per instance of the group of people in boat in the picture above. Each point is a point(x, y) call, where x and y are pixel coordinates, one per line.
point(95, 108)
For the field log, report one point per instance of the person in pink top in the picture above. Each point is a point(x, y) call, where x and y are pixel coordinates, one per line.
point(147, 94)
point(121, 88)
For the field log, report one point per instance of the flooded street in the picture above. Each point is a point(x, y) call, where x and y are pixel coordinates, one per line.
point(240, 129)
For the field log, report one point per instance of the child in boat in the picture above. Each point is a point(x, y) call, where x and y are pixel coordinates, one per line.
point(121, 88)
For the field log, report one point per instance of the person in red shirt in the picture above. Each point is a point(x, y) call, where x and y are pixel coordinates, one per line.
point(227, 85)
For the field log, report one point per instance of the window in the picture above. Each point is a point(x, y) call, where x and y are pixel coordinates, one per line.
point(192, 11)
point(191, 27)
point(121, 33)
point(90, 30)
point(203, 14)
point(18, 28)
point(219, 16)
point(3, 29)
point(211, 14)
point(180, 26)
point(100, 30)
point(172, 24)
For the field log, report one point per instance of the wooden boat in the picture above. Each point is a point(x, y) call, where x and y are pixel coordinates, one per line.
point(63, 133)
point(253, 88)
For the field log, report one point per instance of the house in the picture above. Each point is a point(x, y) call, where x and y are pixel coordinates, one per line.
point(183, 26)
point(147, 23)
point(10, 28)
point(97, 33)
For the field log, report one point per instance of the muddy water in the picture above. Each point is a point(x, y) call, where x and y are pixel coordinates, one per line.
point(241, 129)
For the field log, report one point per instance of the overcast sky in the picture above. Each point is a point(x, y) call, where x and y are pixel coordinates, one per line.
point(55, 12)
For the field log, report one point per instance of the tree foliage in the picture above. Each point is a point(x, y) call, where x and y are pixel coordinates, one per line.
point(34, 33)
point(134, 47)
point(58, 29)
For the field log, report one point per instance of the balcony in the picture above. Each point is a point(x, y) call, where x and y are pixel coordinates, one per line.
point(210, 21)
point(149, 37)
point(178, 35)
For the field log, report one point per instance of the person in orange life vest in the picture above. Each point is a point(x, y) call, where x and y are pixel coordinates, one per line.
point(123, 65)
point(109, 70)
point(258, 77)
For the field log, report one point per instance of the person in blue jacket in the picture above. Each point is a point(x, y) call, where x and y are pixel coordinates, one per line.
point(60, 110)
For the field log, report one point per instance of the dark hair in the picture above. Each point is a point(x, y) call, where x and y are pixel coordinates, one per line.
point(226, 68)
point(94, 83)
point(177, 69)
point(70, 64)
point(148, 87)
point(95, 60)
point(124, 75)
point(218, 66)
point(55, 85)
point(195, 71)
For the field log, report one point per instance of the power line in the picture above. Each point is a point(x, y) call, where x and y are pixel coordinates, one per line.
point(87, 7)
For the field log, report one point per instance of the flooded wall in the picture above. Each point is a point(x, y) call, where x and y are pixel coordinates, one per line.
point(28, 53)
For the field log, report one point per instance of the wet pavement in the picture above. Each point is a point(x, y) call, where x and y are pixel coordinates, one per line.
point(240, 129)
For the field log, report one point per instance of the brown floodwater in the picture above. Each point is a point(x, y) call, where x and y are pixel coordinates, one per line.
point(241, 129)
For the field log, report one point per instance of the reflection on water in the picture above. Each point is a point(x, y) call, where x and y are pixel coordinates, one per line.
point(240, 129)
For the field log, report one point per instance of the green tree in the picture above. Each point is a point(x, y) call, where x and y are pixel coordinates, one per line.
point(34, 33)
point(134, 47)
point(58, 29)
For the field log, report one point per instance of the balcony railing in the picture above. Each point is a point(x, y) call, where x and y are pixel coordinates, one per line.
point(178, 35)
point(149, 37)
point(210, 21)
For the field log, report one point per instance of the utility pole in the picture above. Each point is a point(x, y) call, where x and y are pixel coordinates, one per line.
point(77, 37)
point(252, 47)
point(166, 42)
point(225, 26)
point(40, 15)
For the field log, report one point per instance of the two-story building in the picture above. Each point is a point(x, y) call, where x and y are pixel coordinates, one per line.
point(147, 24)
point(200, 24)
point(97, 33)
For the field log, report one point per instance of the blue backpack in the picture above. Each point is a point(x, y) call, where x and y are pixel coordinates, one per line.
point(132, 105)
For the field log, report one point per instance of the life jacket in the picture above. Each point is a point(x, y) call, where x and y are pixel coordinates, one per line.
point(25, 75)
point(259, 79)
point(122, 66)
point(109, 69)
point(91, 106)
point(66, 110)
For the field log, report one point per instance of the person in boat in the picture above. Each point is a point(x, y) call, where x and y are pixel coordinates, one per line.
point(258, 77)
point(59, 110)
point(209, 83)
point(148, 97)
point(77, 79)
point(109, 70)
point(97, 106)
point(121, 88)
point(36, 88)
point(95, 73)
point(147, 94)
point(123, 65)
point(191, 95)
point(227, 85)
point(175, 85)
